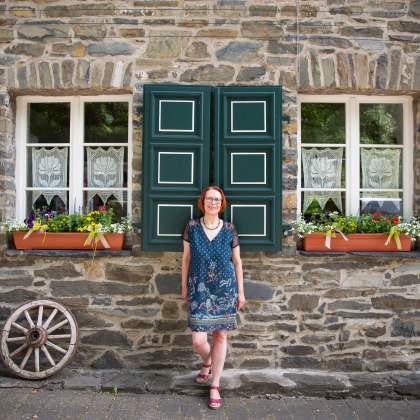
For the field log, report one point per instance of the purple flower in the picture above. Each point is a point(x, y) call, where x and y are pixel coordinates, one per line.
point(30, 220)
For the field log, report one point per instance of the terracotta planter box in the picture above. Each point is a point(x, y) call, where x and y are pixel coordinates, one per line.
point(65, 240)
point(356, 242)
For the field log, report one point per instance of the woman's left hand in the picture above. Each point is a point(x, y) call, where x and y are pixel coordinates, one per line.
point(241, 300)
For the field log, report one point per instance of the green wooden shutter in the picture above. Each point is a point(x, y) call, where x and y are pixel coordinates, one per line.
point(176, 153)
point(247, 162)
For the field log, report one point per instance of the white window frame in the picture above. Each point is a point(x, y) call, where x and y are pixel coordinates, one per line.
point(352, 146)
point(76, 146)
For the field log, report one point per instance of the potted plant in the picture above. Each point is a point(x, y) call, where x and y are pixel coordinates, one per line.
point(368, 232)
point(46, 229)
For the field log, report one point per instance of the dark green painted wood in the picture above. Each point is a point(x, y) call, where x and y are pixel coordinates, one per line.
point(178, 161)
point(248, 168)
point(247, 162)
point(176, 156)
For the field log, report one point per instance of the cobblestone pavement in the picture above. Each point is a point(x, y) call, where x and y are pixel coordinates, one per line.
point(66, 404)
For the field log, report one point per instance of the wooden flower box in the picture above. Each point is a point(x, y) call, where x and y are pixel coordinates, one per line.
point(356, 242)
point(65, 240)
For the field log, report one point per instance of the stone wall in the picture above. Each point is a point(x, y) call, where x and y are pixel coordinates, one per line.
point(348, 312)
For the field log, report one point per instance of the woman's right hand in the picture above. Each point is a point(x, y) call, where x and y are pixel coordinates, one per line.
point(185, 294)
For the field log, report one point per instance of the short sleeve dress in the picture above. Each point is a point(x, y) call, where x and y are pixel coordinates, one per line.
point(212, 285)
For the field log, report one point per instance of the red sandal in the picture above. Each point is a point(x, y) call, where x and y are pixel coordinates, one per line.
point(215, 403)
point(201, 377)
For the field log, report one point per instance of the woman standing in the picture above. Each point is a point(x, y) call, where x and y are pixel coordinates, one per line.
point(212, 284)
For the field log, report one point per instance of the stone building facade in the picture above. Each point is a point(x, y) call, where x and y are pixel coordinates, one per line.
point(347, 312)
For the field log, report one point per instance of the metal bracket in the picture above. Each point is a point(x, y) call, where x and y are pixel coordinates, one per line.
point(287, 230)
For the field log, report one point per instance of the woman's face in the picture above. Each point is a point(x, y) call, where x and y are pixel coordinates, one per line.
point(212, 202)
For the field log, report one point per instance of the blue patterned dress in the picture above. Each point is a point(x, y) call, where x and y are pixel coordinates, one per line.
point(212, 285)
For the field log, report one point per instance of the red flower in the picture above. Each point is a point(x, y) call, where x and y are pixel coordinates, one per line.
point(102, 208)
point(396, 220)
point(377, 214)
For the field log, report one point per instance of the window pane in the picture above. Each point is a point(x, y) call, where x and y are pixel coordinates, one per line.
point(323, 123)
point(106, 122)
point(49, 123)
point(381, 168)
point(381, 124)
point(117, 203)
point(34, 201)
point(322, 170)
point(48, 167)
point(105, 167)
point(323, 167)
point(321, 203)
point(384, 203)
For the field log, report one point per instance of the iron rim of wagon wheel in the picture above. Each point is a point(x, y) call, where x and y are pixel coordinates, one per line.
point(39, 339)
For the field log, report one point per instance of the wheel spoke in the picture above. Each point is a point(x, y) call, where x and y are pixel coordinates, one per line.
point(20, 328)
point(57, 326)
point(50, 318)
point(40, 313)
point(47, 353)
point(15, 339)
point(59, 336)
point(55, 347)
point(27, 356)
point(28, 317)
point(36, 359)
point(19, 349)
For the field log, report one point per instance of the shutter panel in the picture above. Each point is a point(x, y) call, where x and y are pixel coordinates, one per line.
point(176, 152)
point(248, 162)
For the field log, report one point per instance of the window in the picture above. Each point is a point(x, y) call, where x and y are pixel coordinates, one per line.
point(356, 154)
point(73, 153)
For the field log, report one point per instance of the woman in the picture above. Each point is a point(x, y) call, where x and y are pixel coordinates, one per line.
point(212, 284)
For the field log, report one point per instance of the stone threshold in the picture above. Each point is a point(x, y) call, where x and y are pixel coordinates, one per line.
point(266, 383)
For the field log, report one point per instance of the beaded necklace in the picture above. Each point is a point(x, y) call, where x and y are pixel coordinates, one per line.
point(209, 228)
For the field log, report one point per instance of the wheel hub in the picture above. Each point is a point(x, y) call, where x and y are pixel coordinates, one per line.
point(36, 337)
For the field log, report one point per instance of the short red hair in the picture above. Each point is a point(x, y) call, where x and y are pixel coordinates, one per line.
point(203, 196)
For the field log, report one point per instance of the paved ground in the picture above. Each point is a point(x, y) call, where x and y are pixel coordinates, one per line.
point(42, 404)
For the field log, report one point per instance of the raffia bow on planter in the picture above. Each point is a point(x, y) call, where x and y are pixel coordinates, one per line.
point(50, 230)
point(356, 242)
point(334, 232)
point(66, 240)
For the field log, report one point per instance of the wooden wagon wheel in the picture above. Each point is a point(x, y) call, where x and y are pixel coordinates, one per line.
point(39, 339)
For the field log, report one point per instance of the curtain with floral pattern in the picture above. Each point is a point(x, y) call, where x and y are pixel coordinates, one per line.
point(380, 170)
point(105, 170)
point(322, 170)
point(49, 173)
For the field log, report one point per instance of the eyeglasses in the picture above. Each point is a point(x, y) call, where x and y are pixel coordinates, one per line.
point(213, 200)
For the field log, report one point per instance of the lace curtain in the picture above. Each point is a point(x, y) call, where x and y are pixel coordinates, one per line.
point(381, 170)
point(105, 170)
point(49, 170)
point(322, 170)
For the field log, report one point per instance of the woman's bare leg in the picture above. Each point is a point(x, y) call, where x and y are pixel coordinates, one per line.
point(202, 347)
point(218, 356)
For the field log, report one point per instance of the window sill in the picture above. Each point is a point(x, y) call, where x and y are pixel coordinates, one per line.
point(68, 253)
point(411, 254)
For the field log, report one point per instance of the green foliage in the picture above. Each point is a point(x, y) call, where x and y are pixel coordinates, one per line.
point(323, 123)
point(326, 123)
point(50, 122)
point(366, 223)
point(378, 123)
point(102, 220)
